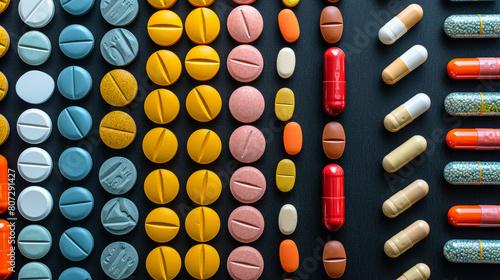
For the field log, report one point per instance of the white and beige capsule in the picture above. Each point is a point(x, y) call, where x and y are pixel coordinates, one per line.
point(285, 62)
point(406, 113)
point(400, 24)
point(406, 239)
point(405, 198)
point(405, 153)
point(419, 272)
point(403, 65)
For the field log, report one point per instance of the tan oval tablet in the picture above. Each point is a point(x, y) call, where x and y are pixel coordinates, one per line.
point(419, 272)
point(331, 24)
point(285, 175)
point(405, 198)
point(406, 239)
point(334, 259)
point(404, 153)
point(333, 140)
point(287, 220)
point(284, 104)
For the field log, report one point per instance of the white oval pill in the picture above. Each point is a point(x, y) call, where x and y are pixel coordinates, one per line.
point(35, 87)
point(34, 126)
point(286, 63)
point(34, 164)
point(35, 203)
point(287, 220)
point(36, 13)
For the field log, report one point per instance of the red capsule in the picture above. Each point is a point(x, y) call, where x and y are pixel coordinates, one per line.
point(474, 216)
point(5, 250)
point(4, 185)
point(474, 68)
point(334, 82)
point(333, 197)
point(474, 139)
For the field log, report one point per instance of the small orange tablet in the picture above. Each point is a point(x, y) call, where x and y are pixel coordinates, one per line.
point(289, 25)
point(289, 255)
point(292, 138)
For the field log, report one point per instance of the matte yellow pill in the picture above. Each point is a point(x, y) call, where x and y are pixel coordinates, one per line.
point(164, 68)
point(202, 224)
point(159, 145)
point(162, 4)
point(161, 186)
point(203, 103)
point(117, 130)
point(4, 4)
point(163, 263)
point(290, 3)
point(162, 224)
point(118, 88)
point(202, 26)
point(202, 63)
point(165, 28)
point(4, 86)
point(204, 146)
point(4, 129)
point(285, 175)
point(284, 104)
point(4, 41)
point(201, 3)
point(161, 106)
point(204, 187)
point(202, 261)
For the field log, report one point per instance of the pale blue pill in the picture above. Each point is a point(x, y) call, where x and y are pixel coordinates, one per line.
point(119, 47)
point(119, 12)
point(34, 270)
point(74, 82)
point(119, 260)
point(119, 216)
point(75, 273)
point(77, 7)
point(76, 203)
point(117, 175)
point(75, 164)
point(76, 41)
point(34, 48)
point(74, 123)
point(76, 243)
point(34, 242)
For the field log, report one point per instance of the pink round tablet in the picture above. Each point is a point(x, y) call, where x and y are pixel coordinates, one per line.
point(245, 63)
point(247, 144)
point(245, 263)
point(245, 224)
point(248, 184)
point(246, 104)
point(243, 2)
point(245, 24)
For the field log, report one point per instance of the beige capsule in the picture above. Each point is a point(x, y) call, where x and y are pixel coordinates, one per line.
point(406, 113)
point(403, 65)
point(419, 272)
point(404, 153)
point(405, 198)
point(406, 239)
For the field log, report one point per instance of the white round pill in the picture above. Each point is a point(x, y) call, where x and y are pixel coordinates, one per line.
point(34, 126)
point(36, 13)
point(35, 87)
point(34, 164)
point(35, 203)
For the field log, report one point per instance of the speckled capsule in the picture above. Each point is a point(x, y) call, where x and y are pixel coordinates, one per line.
point(472, 26)
point(472, 251)
point(472, 173)
point(473, 103)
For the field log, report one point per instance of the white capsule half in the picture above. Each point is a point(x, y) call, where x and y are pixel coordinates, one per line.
point(418, 104)
point(400, 24)
point(415, 57)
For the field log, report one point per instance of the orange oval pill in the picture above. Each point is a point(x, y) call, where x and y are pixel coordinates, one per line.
point(289, 255)
point(292, 138)
point(289, 25)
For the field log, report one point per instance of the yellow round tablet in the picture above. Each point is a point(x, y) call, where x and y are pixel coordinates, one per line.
point(4, 86)
point(204, 146)
point(162, 4)
point(204, 187)
point(159, 145)
point(202, 26)
point(4, 41)
point(202, 63)
point(117, 130)
point(162, 224)
point(165, 28)
point(161, 106)
point(164, 68)
point(202, 261)
point(202, 224)
point(163, 263)
point(201, 3)
point(118, 88)
point(4, 4)
point(4, 129)
point(161, 186)
point(203, 103)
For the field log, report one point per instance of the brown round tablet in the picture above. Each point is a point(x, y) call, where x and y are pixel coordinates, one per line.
point(331, 24)
point(246, 224)
point(333, 140)
point(248, 184)
point(334, 259)
point(245, 263)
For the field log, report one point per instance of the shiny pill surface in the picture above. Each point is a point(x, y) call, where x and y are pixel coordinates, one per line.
point(474, 139)
point(161, 106)
point(204, 187)
point(406, 239)
point(331, 24)
point(160, 145)
point(472, 173)
point(333, 140)
point(165, 28)
point(400, 24)
point(474, 216)
point(203, 103)
point(333, 199)
point(474, 68)
point(473, 104)
point(472, 26)
point(161, 186)
point(117, 130)
point(202, 63)
point(404, 199)
point(4, 185)
point(6, 265)
point(245, 24)
point(403, 65)
point(164, 68)
point(334, 82)
point(472, 251)
point(405, 153)
point(406, 113)
point(334, 259)
point(202, 26)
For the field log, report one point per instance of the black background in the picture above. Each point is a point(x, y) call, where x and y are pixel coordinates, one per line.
point(368, 101)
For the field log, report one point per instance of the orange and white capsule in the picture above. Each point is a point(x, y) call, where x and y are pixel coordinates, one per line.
point(474, 216)
point(5, 250)
point(409, 61)
point(474, 139)
point(4, 185)
point(400, 24)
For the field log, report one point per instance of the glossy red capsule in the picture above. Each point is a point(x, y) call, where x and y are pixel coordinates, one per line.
point(474, 68)
point(474, 139)
point(4, 185)
point(5, 250)
point(334, 82)
point(333, 197)
point(474, 216)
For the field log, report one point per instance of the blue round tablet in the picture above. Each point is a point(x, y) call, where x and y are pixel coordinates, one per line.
point(34, 242)
point(119, 47)
point(74, 82)
point(119, 12)
point(77, 7)
point(76, 203)
point(75, 273)
point(34, 48)
point(34, 270)
point(74, 123)
point(76, 243)
point(75, 164)
point(76, 41)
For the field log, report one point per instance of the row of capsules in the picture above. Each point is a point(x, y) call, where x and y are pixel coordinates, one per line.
point(474, 104)
point(393, 122)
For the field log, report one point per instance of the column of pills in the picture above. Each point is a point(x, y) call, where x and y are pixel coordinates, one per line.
point(412, 148)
